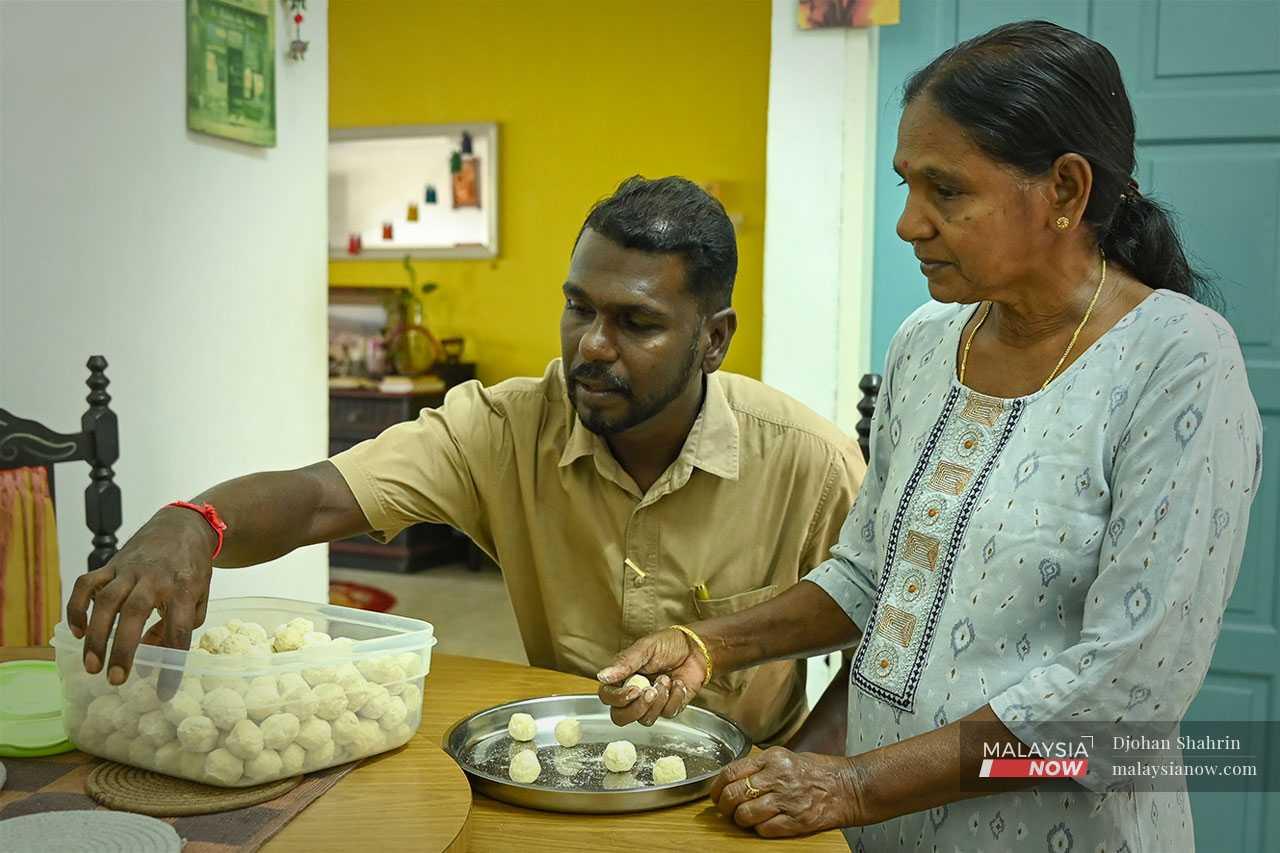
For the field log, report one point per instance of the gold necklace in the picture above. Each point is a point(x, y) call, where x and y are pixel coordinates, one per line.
point(964, 358)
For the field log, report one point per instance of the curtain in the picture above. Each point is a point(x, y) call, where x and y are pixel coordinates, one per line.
point(30, 589)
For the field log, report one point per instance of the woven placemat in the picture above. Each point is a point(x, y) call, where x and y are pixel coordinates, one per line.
point(88, 832)
point(119, 786)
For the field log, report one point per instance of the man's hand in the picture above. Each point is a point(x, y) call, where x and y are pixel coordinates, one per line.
point(166, 566)
point(779, 793)
point(679, 669)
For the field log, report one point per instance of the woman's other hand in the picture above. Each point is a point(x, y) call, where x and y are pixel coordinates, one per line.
point(780, 793)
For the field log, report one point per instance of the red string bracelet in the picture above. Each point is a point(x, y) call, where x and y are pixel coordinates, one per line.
point(210, 515)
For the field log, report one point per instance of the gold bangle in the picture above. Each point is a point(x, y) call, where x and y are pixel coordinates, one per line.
point(702, 647)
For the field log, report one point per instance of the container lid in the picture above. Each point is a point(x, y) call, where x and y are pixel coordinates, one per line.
point(31, 710)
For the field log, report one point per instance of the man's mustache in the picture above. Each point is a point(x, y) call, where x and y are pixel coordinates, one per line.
point(598, 374)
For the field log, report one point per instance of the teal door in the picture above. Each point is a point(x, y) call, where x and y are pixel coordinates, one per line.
point(1204, 78)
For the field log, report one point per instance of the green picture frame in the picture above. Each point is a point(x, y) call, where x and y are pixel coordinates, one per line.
point(231, 69)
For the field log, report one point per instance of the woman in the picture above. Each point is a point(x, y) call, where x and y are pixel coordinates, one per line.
point(1063, 460)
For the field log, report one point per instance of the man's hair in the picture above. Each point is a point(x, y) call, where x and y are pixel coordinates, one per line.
point(676, 216)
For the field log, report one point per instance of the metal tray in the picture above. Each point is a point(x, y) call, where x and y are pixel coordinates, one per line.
point(574, 779)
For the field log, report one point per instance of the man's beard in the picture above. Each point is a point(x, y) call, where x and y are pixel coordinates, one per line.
point(637, 411)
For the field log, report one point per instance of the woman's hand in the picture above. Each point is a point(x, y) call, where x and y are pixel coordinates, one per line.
point(780, 793)
point(679, 668)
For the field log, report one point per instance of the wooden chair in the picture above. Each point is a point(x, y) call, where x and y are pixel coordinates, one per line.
point(25, 443)
point(869, 385)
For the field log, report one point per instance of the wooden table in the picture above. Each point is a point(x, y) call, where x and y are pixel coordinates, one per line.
point(411, 797)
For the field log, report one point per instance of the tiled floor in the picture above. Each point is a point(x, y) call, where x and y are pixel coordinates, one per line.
point(469, 610)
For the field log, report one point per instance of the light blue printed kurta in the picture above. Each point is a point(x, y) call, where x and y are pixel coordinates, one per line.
point(1066, 555)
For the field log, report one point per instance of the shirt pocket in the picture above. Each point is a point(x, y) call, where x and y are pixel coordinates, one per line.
point(708, 608)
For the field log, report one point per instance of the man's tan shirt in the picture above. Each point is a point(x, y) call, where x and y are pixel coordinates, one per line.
point(754, 501)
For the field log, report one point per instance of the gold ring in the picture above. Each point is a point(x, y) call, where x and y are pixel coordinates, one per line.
point(751, 790)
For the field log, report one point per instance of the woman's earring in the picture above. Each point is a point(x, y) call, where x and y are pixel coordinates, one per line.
point(1063, 223)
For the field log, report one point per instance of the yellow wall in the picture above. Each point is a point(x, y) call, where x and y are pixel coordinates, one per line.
point(586, 93)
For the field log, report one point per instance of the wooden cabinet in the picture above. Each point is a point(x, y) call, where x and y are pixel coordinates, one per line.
point(358, 415)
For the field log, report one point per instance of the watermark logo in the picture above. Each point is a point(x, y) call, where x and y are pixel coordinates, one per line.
point(1036, 760)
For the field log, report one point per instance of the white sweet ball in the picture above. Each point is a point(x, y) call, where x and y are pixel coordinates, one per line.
point(211, 683)
point(262, 699)
point(637, 680)
point(279, 730)
point(354, 685)
point(155, 729)
point(290, 681)
point(299, 701)
point(244, 741)
point(668, 769)
point(399, 735)
point(331, 700)
point(93, 733)
point(290, 636)
point(234, 626)
point(525, 768)
point(315, 676)
point(620, 756)
point(321, 756)
point(197, 734)
point(264, 766)
point(191, 765)
point(411, 696)
point(181, 706)
point(213, 638)
point(369, 740)
point(222, 767)
point(255, 632)
point(140, 695)
point(346, 728)
point(292, 757)
point(191, 685)
point(105, 707)
point(394, 715)
point(117, 746)
point(143, 754)
point(376, 705)
point(235, 644)
point(314, 734)
point(225, 707)
point(125, 719)
point(167, 757)
point(568, 732)
point(410, 663)
point(522, 727)
point(315, 638)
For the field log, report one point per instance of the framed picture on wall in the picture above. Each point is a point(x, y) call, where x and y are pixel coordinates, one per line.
point(231, 69)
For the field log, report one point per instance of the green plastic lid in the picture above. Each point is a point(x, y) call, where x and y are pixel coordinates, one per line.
point(31, 710)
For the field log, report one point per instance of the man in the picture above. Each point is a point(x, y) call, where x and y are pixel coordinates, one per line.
point(629, 488)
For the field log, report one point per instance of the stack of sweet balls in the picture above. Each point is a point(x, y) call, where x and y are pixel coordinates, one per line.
point(619, 756)
point(223, 729)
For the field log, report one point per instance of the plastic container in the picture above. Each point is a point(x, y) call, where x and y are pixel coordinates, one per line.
point(246, 719)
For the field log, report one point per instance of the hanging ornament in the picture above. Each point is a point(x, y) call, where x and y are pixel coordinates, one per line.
point(455, 162)
point(412, 214)
point(297, 47)
point(430, 194)
point(466, 143)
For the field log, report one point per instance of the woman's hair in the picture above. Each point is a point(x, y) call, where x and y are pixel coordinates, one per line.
point(1029, 92)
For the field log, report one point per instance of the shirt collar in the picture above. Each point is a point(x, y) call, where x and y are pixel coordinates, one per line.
point(712, 443)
